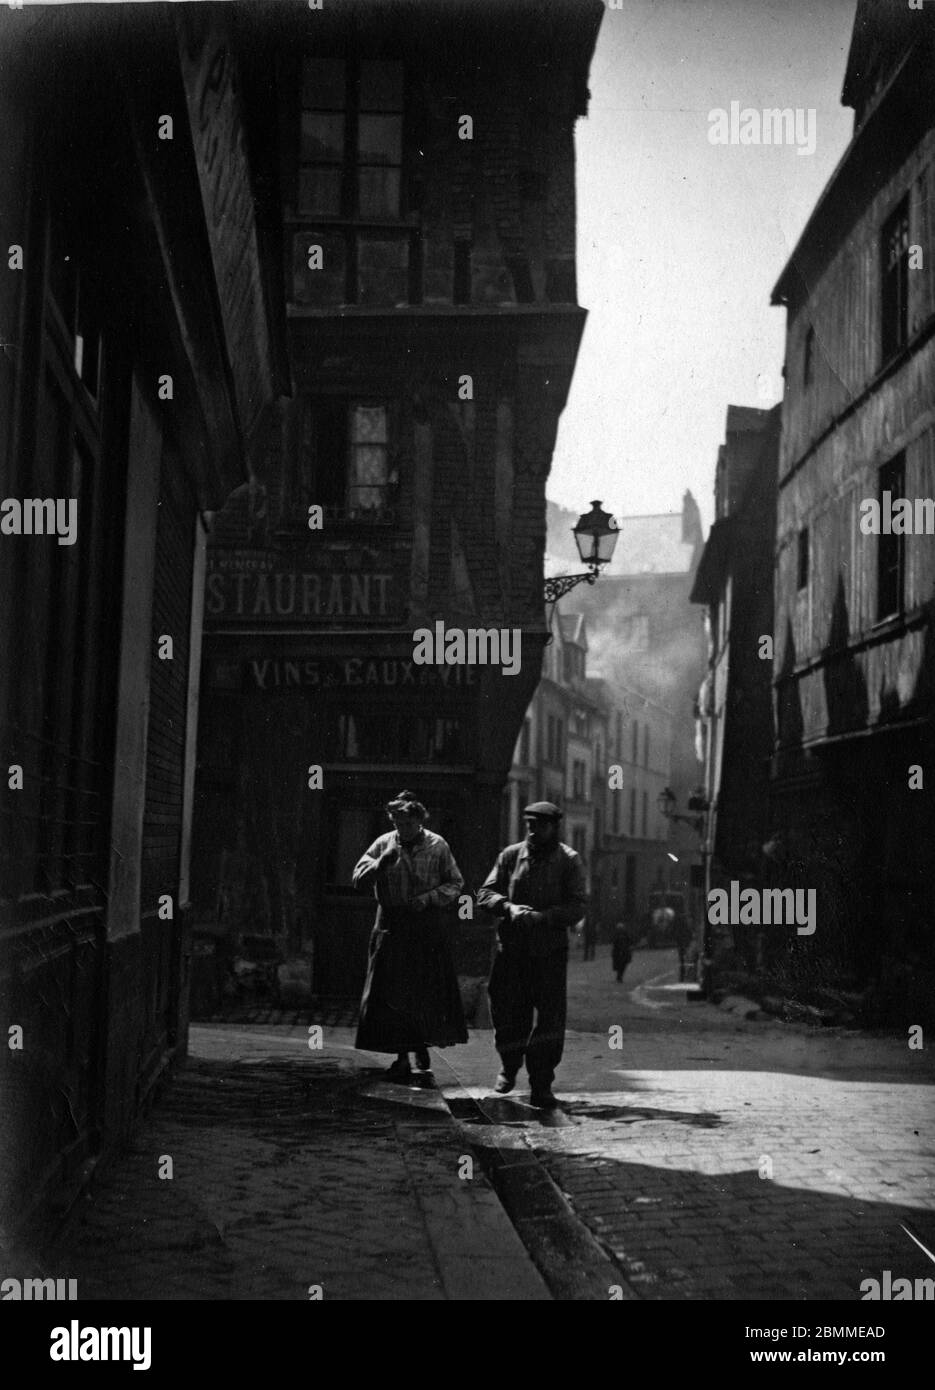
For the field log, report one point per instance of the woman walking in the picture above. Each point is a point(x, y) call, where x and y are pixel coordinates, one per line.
point(411, 1000)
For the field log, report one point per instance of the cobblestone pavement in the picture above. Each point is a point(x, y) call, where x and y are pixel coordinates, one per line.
point(707, 1157)
point(713, 1158)
point(292, 1169)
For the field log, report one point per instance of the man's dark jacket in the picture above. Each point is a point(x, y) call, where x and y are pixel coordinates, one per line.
point(551, 881)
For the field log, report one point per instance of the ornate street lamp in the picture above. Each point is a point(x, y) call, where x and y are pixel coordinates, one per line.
point(595, 535)
point(667, 804)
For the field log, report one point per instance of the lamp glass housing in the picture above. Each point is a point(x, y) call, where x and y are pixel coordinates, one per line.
point(595, 535)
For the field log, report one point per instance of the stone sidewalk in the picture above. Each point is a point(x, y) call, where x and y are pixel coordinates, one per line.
point(732, 1161)
point(293, 1171)
point(709, 1158)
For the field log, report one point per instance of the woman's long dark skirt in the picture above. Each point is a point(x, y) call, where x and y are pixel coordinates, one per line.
point(411, 997)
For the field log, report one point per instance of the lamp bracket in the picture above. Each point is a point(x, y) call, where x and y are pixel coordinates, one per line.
point(557, 588)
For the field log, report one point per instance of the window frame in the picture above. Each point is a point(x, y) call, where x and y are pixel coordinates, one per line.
point(894, 283)
point(803, 559)
point(311, 460)
point(892, 544)
point(350, 164)
point(345, 230)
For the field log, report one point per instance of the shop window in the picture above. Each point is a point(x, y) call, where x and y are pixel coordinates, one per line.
point(369, 736)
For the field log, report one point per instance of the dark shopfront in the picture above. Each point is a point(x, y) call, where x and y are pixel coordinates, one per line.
point(275, 855)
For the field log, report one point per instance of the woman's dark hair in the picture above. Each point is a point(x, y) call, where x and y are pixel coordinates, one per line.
point(408, 804)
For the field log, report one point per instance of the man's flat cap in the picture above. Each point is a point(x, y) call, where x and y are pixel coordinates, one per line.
point(546, 809)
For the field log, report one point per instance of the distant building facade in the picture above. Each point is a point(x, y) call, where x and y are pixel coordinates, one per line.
point(556, 757)
point(602, 753)
point(646, 634)
point(855, 627)
point(734, 582)
point(631, 833)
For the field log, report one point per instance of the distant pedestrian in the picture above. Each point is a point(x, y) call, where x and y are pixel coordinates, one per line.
point(537, 889)
point(590, 936)
point(683, 933)
point(411, 1000)
point(621, 951)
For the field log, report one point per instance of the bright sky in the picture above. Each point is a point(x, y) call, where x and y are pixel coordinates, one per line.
point(681, 241)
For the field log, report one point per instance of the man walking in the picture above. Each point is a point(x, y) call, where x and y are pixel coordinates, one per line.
point(411, 1000)
point(537, 890)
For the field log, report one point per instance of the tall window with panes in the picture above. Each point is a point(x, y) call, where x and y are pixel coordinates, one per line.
point(351, 194)
point(64, 587)
point(347, 464)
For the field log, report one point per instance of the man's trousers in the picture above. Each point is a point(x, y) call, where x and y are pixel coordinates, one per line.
point(521, 986)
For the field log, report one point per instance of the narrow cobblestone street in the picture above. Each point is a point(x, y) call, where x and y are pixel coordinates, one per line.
point(708, 1158)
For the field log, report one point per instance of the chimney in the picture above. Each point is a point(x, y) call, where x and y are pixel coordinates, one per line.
point(691, 519)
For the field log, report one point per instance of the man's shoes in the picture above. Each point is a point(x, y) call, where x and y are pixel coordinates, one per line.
point(543, 1099)
point(399, 1071)
point(504, 1083)
point(423, 1060)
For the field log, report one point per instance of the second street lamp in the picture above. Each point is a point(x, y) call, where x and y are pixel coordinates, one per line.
point(595, 534)
point(667, 803)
